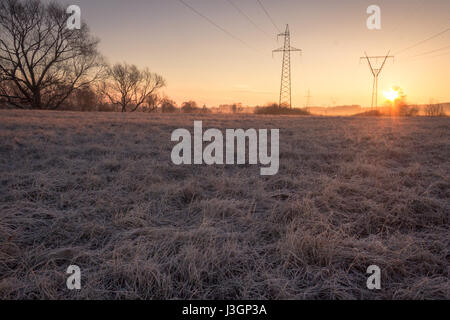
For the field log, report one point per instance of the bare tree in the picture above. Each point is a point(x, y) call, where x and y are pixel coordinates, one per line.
point(168, 106)
point(131, 88)
point(153, 102)
point(434, 110)
point(237, 108)
point(41, 61)
point(189, 107)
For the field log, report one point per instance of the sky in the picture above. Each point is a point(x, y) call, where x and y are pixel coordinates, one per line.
point(203, 63)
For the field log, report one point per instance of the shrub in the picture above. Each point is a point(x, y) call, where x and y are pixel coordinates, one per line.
point(276, 109)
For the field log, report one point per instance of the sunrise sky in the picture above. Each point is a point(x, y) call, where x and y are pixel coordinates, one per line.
point(204, 64)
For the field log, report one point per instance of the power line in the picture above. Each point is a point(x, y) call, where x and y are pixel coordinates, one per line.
point(423, 41)
point(268, 16)
point(440, 55)
point(216, 25)
point(435, 56)
point(406, 16)
point(247, 17)
point(429, 52)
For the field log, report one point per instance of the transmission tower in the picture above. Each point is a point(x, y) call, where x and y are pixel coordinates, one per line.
point(285, 91)
point(308, 99)
point(373, 62)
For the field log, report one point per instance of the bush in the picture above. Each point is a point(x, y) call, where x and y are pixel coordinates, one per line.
point(397, 111)
point(370, 113)
point(276, 109)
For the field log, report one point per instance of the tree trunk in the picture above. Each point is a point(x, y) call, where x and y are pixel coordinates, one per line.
point(37, 104)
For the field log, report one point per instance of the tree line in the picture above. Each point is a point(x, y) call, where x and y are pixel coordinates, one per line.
point(45, 65)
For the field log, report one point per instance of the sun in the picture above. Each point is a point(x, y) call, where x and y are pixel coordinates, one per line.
point(391, 95)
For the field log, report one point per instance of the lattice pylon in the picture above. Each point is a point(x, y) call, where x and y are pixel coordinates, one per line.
point(285, 90)
point(372, 61)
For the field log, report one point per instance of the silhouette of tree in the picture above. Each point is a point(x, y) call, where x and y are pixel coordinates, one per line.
point(153, 101)
point(168, 106)
point(205, 109)
point(42, 62)
point(189, 107)
point(131, 88)
point(434, 110)
point(237, 108)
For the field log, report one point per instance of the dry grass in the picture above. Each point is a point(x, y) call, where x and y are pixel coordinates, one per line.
point(99, 191)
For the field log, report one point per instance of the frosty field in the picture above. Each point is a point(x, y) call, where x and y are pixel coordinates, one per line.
point(98, 190)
